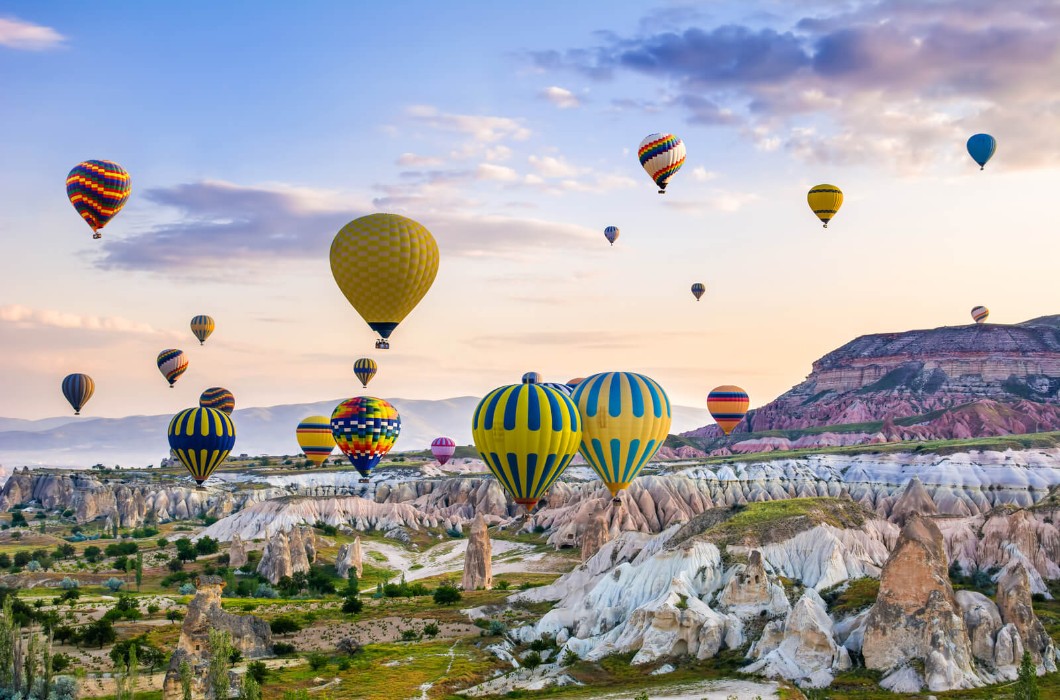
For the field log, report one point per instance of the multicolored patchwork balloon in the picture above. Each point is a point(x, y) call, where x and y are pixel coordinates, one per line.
point(364, 369)
point(825, 201)
point(728, 405)
point(218, 397)
point(526, 434)
point(661, 155)
point(98, 189)
point(315, 438)
point(443, 448)
point(202, 326)
point(625, 420)
point(172, 363)
point(201, 438)
point(78, 389)
point(365, 428)
point(980, 313)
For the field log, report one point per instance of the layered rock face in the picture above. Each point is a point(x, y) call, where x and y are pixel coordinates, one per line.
point(288, 552)
point(915, 500)
point(349, 559)
point(1015, 608)
point(250, 635)
point(478, 557)
point(894, 375)
point(597, 534)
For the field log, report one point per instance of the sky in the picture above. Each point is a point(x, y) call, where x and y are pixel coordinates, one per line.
point(254, 130)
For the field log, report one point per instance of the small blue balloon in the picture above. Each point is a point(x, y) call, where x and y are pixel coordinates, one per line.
point(981, 147)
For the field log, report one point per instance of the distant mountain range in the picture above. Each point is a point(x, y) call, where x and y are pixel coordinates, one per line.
point(944, 383)
point(141, 440)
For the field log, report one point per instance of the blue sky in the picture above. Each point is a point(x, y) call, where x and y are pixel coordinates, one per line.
point(253, 131)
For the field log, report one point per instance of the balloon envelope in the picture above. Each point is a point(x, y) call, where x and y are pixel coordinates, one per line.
point(218, 397)
point(661, 155)
point(625, 420)
point(315, 438)
point(384, 264)
point(611, 234)
point(698, 290)
point(364, 369)
point(728, 405)
point(202, 326)
point(527, 435)
point(561, 388)
point(365, 428)
point(172, 363)
point(201, 438)
point(78, 389)
point(980, 313)
point(825, 201)
point(532, 378)
point(981, 148)
point(98, 189)
point(443, 448)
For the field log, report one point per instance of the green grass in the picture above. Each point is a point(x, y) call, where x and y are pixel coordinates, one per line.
point(858, 595)
point(770, 521)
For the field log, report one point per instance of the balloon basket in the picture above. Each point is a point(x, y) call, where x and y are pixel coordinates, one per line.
point(364, 481)
point(97, 236)
point(616, 501)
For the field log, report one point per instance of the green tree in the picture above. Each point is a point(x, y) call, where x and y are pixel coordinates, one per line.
point(258, 671)
point(446, 594)
point(92, 554)
point(221, 649)
point(185, 680)
point(250, 689)
point(99, 632)
point(139, 570)
point(284, 626)
point(1027, 680)
point(532, 660)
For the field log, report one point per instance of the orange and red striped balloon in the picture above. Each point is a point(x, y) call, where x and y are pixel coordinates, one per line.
point(728, 405)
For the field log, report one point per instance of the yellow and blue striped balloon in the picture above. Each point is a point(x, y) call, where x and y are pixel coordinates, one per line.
point(315, 439)
point(625, 420)
point(364, 369)
point(527, 434)
point(78, 389)
point(202, 326)
point(201, 438)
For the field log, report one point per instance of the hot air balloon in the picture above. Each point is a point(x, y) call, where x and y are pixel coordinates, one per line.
point(561, 388)
point(573, 383)
point(661, 155)
point(527, 435)
point(384, 264)
point(365, 368)
point(981, 148)
point(698, 289)
point(728, 405)
point(979, 315)
point(202, 326)
point(98, 189)
point(201, 438)
point(315, 439)
point(365, 428)
point(625, 420)
point(825, 201)
point(443, 448)
point(172, 363)
point(532, 378)
point(78, 389)
point(219, 398)
point(611, 234)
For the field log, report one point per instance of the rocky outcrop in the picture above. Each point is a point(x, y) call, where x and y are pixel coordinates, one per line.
point(915, 500)
point(916, 617)
point(982, 622)
point(597, 534)
point(801, 647)
point(250, 635)
point(237, 553)
point(749, 591)
point(349, 559)
point(478, 558)
point(286, 553)
point(1015, 608)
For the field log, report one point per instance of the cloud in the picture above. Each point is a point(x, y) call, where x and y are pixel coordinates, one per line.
point(26, 317)
point(416, 161)
point(561, 97)
point(26, 36)
point(717, 200)
point(855, 82)
point(701, 174)
point(489, 171)
point(483, 129)
point(220, 225)
point(554, 167)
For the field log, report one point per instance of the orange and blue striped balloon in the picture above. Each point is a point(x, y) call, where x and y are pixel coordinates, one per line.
point(315, 438)
point(78, 389)
point(364, 369)
point(172, 363)
point(201, 438)
point(98, 189)
point(365, 428)
point(202, 326)
point(728, 405)
point(218, 397)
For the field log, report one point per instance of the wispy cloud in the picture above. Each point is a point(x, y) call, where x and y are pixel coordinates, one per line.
point(28, 317)
point(26, 36)
point(561, 97)
point(484, 129)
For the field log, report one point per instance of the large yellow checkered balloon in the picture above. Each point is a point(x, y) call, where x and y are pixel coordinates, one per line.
point(384, 264)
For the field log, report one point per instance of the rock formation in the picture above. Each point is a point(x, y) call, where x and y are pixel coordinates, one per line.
point(349, 559)
point(750, 593)
point(1015, 608)
point(916, 617)
point(237, 553)
point(250, 635)
point(478, 565)
point(597, 534)
point(913, 501)
point(287, 552)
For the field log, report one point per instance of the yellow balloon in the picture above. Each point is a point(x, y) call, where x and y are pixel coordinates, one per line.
point(384, 264)
point(625, 420)
point(825, 201)
point(315, 438)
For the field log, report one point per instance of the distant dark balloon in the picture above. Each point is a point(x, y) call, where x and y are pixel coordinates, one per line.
point(78, 389)
point(981, 148)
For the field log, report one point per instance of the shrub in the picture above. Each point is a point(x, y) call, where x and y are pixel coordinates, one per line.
point(431, 630)
point(93, 553)
point(344, 664)
point(447, 594)
point(282, 649)
point(352, 606)
point(409, 635)
point(349, 646)
point(496, 627)
point(5, 561)
point(206, 545)
point(162, 542)
point(152, 609)
point(569, 657)
point(114, 584)
point(174, 615)
point(22, 558)
point(317, 661)
point(284, 626)
point(118, 549)
point(503, 585)
point(532, 660)
point(34, 565)
point(187, 589)
point(264, 590)
point(258, 671)
point(175, 565)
